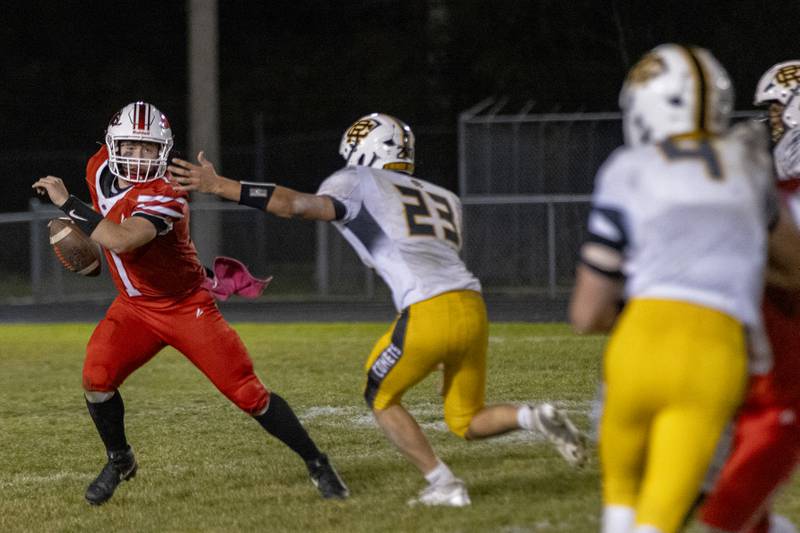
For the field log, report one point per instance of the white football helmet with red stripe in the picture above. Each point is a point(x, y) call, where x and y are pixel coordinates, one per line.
point(379, 141)
point(138, 121)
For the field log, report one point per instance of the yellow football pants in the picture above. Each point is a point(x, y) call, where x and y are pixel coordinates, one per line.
point(675, 373)
point(451, 329)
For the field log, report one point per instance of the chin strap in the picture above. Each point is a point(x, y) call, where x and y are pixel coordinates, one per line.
point(230, 277)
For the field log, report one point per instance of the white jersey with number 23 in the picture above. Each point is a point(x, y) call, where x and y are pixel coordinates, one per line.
point(407, 229)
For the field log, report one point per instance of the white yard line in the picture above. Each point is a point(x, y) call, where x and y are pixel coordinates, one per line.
point(353, 417)
point(20, 479)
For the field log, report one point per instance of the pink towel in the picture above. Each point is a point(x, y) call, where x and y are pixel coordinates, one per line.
point(232, 277)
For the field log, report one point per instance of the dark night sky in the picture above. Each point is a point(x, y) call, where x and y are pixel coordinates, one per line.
point(312, 67)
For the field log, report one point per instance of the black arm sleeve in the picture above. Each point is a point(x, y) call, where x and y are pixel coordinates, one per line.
point(256, 195)
point(338, 208)
point(82, 214)
point(160, 224)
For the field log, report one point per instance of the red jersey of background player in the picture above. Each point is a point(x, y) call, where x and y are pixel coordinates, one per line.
point(167, 266)
point(781, 386)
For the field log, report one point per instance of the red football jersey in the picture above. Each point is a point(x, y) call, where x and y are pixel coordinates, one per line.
point(167, 266)
point(781, 308)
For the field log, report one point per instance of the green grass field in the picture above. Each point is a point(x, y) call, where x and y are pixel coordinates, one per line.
point(205, 466)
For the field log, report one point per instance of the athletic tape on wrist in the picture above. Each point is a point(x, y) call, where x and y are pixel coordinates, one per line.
point(256, 195)
point(82, 214)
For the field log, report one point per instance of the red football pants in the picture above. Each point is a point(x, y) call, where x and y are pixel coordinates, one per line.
point(131, 334)
point(766, 447)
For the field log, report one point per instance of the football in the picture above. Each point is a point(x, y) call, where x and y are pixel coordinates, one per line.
point(76, 251)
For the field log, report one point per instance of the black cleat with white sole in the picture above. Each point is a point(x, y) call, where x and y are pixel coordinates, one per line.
point(325, 478)
point(121, 466)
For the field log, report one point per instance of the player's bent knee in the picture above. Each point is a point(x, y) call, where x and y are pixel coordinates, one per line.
point(378, 400)
point(459, 425)
point(93, 396)
point(251, 397)
point(97, 378)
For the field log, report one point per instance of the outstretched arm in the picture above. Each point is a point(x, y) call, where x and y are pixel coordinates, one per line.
point(119, 238)
point(280, 201)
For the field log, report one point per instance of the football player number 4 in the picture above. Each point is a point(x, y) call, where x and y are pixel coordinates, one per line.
point(441, 222)
point(702, 150)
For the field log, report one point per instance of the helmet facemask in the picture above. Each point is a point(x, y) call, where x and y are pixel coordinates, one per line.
point(775, 120)
point(138, 122)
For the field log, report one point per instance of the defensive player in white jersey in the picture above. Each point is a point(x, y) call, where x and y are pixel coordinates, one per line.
point(409, 231)
point(678, 229)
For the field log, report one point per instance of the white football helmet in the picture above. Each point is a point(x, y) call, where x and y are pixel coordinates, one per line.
point(779, 88)
point(675, 90)
point(379, 141)
point(138, 121)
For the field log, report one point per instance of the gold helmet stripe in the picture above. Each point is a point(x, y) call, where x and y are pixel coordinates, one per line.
point(701, 89)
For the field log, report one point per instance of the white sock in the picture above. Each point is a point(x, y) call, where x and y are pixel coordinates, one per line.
point(618, 519)
point(525, 417)
point(780, 524)
point(441, 475)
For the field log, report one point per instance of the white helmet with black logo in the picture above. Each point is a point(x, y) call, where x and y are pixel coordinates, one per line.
point(779, 88)
point(379, 141)
point(675, 90)
point(143, 122)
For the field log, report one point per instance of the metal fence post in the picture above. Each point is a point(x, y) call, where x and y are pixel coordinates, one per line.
point(35, 249)
point(369, 282)
point(463, 119)
point(551, 249)
point(260, 236)
point(322, 261)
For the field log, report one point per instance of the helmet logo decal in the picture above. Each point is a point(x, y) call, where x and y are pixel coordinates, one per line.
point(646, 69)
point(116, 120)
point(141, 117)
point(359, 130)
point(788, 75)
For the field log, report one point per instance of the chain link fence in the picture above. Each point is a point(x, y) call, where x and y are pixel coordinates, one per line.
point(524, 180)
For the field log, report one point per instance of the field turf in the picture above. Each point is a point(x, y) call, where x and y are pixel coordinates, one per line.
point(205, 466)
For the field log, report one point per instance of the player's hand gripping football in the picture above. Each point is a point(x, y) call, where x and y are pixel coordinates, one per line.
point(52, 187)
point(186, 176)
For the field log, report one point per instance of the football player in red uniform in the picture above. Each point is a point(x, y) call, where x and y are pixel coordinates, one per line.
point(766, 440)
point(142, 224)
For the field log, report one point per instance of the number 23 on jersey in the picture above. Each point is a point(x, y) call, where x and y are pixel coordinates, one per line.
point(420, 205)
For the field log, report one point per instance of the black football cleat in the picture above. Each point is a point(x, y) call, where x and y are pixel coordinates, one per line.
point(121, 466)
point(325, 478)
